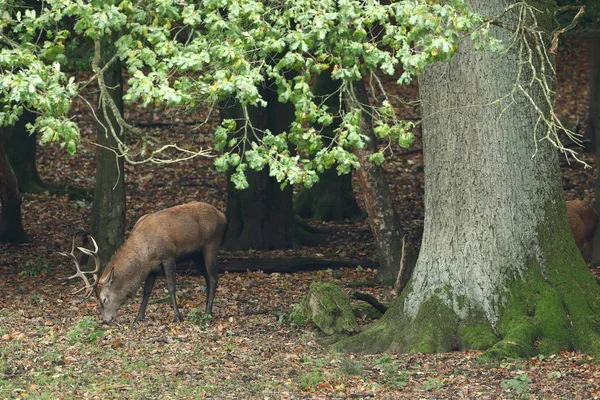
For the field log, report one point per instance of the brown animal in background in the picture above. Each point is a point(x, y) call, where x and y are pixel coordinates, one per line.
point(188, 231)
point(582, 220)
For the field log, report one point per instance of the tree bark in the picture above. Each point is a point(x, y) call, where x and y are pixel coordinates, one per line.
point(498, 268)
point(108, 210)
point(382, 215)
point(261, 217)
point(11, 226)
point(21, 148)
point(331, 198)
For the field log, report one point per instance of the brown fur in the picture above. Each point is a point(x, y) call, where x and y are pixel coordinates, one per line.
point(582, 221)
point(157, 241)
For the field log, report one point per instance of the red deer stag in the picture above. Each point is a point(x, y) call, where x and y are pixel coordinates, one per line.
point(188, 231)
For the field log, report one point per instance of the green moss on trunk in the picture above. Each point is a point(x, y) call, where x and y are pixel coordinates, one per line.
point(553, 305)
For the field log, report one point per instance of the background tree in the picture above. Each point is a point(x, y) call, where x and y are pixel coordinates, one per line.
point(498, 268)
point(383, 218)
point(31, 83)
point(108, 209)
point(21, 147)
point(21, 143)
point(11, 227)
point(261, 216)
point(331, 198)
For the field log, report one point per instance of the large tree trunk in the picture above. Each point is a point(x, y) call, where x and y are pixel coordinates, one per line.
point(21, 150)
point(331, 198)
point(383, 218)
point(108, 210)
point(498, 268)
point(11, 227)
point(261, 217)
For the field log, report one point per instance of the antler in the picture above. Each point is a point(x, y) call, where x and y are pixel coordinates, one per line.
point(89, 288)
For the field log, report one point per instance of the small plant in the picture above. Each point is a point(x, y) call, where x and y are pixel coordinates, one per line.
point(351, 368)
point(197, 317)
point(432, 384)
point(36, 299)
point(52, 356)
point(86, 331)
point(394, 377)
point(385, 364)
point(518, 384)
point(554, 375)
point(33, 268)
point(399, 380)
point(310, 380)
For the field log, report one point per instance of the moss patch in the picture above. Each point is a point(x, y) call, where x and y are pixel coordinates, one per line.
point(328, 307)
point(477, 334)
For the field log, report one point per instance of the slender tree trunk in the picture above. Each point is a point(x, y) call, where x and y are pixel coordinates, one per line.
point(108, 210)
point(383, 218)
point(21, 149)
point(11, 227)
point(498, 268)
point(331, 198)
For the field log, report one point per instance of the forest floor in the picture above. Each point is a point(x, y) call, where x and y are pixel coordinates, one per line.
point(53, 346)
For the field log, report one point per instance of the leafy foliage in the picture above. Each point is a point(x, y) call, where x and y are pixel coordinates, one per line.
point(31, 76)
point(191, 54)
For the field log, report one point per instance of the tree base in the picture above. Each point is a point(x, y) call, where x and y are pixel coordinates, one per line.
point(562, 312)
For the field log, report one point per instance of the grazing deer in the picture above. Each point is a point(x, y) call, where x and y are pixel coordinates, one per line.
point(582, 221)
point(188, 231)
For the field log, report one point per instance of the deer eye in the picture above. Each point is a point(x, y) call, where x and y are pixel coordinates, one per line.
point(104, 300)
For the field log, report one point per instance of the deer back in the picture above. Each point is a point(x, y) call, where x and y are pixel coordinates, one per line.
point(165, 236)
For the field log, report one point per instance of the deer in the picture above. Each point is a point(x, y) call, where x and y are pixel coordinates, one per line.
point(191, 231)
point(582, 221)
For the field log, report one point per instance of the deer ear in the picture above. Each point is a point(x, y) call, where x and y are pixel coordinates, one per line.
point(111, 276)
point(107, 281)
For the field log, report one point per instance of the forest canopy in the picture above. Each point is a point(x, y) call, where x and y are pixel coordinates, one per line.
point(202, 54)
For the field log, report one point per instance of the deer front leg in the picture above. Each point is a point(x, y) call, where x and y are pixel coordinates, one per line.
point(148, 285)
point(169, 268)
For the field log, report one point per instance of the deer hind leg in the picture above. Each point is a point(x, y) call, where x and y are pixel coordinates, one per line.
point(147, 290)
point(169, 267)
point(211, 274)
point(198, 259)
